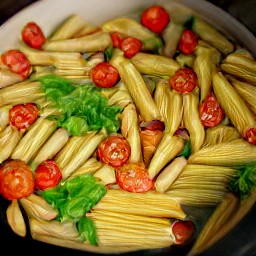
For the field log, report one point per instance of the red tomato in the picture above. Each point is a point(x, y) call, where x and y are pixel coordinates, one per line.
point(251, 136)
point(184, 80)
point(134, 178)
point(17, 62)
point(116, 39)
point(33, 35)
point(114, 150)
point(104, 75)
point(182, 231)
point(16, 180)
point(210, 111)
point(48, 175)
point(131, 46)
point(154, 125)
point(155, 18)
point(188, 42)
point(23, 115)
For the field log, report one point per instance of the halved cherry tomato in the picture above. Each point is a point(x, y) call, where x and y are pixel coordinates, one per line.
point(48, 175)
point(23, 115)
point(188, 42)
point(155, 18)
point(210, 111)
point(184, 80)
point(33, 35)
point(134, 178)
point(182, 231)
point(17, 62)
point(16, 180)
point(116, 39)
point(131, 46)
point(251, 136)
point(104, 75)
point(114, 150)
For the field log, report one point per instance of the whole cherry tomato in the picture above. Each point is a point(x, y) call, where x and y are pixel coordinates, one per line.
point(114, 150)
point(210, 111)
point(188, 42)
point(33, 35)
point(17, 62)
point(48, 175)
point(16, 180)
point(184, 80)
point(23, 115)
point(130, 46)
point(182, 231)
point(155, 18)
point(134, 178)
point(250, 136)
point(105, 75)
point(116, 39)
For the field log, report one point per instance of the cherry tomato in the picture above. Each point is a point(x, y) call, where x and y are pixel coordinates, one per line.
point(16, 180)
point(114, 150)
point(33, 35)
point(17, 62)
point(116, 39)
point(104, 75)
point(154, 125)
point(131, 46)
point(251, 136)
point(48, 175)
point(155, 18)
point(182, 231)
point(188, 42)
point(210, 111)
point(184, 80)
point(23, 115)
point(134, 178)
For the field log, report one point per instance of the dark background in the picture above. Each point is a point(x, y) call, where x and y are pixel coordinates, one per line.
point(240, 242)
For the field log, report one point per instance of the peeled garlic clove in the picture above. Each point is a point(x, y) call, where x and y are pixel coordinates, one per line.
point(15, 218)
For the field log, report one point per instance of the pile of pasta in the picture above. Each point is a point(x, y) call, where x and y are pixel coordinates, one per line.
point(135, 221)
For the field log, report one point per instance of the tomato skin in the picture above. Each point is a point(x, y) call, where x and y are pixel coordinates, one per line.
point(114, 150)
point(16, 180)
point(184, 80)
point(48, 175)
point(210, 112)
point(154, 125)
point(116, 39)
point(131, 46)
point(155, 18)
point(33, 35)
point(250, 136)
point(182, 231)
point(105, 75)
point(17, 62)
point(23, 115)
point(188, 42)
point(134, 178)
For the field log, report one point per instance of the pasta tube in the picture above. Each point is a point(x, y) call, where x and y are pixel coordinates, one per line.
point(9, 138)
point(4, 117)
point(8, 78)
point(36, 207)
point(185, 60)
point(54, 144)
point(86, 150)
point(130, 130)
point(131, 27)
point(106, 174)
point(211, 35)
point(15, 218)
point(69, 28)
point(232, 153)
point(168, 148)
point(89, 43)
point(155, 65)
point(136, 86)
point(33, 140)
point(234, 106)
point(192, 121)
point(170, 174)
